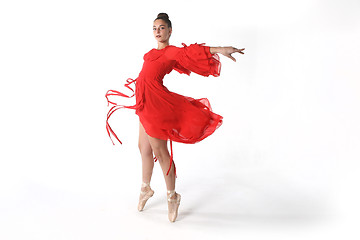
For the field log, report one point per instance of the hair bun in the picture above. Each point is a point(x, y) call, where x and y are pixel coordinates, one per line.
point(165, 18)
point(163, 15)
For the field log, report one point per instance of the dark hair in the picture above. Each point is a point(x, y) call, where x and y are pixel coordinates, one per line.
point(165, 17)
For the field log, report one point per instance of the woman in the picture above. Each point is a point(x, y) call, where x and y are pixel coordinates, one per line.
point(165, 115)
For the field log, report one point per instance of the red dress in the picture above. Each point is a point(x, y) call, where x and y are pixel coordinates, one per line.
point(167, 115)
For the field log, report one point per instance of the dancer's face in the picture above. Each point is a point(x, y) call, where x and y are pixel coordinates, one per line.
point(161, 31)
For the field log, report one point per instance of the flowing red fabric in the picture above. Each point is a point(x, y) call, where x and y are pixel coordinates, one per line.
point(164, 114)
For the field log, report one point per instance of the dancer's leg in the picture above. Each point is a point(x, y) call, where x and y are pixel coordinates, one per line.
point(146, 155)
point(161, 152)
point(147, 167)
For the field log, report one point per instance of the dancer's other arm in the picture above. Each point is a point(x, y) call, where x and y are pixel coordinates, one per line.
point(226, 51)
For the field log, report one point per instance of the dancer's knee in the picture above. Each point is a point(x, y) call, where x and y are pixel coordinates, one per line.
point(145, 149)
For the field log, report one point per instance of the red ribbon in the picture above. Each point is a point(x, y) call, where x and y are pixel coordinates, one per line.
point(117, 107)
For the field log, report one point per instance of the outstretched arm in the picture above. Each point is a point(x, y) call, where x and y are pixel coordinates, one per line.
point(226, 51)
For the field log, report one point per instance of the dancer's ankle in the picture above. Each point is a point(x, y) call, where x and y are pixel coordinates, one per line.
point(171, 194)
point(145, 187)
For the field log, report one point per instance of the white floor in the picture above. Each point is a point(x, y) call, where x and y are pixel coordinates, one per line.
point(249, 203)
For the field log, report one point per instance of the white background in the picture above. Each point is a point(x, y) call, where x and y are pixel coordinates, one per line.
point(284, 164)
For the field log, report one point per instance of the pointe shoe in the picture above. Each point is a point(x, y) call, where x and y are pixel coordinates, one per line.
point(173, 204)
point(144, 196)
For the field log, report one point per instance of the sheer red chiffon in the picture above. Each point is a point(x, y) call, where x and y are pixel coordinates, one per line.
point(164, 114)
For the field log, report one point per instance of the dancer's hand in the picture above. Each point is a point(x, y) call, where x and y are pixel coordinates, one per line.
point(227, 51)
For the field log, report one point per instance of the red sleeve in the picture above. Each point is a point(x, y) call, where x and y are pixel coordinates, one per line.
point(198, 59)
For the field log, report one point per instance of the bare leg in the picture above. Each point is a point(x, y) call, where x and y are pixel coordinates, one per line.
point(146, 155)
point(160, 149)
point(147, 146)
point(162, 154)
point(147, 167)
